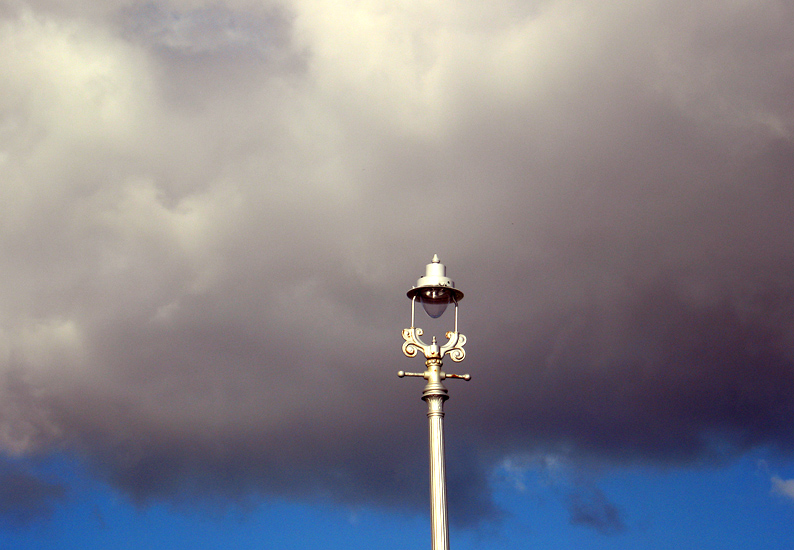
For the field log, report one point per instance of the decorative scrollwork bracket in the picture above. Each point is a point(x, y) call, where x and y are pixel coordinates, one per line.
point(454, 347)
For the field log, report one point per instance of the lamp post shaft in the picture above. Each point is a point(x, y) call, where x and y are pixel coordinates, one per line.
point(434, 395)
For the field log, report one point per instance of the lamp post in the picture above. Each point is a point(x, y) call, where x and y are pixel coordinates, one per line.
point(435, 291)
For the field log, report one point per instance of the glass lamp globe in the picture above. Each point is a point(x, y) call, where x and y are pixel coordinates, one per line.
point(435, 290)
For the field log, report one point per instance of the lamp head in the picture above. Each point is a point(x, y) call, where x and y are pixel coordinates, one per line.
point(435, 290)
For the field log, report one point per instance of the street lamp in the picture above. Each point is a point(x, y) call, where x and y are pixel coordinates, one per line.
point(435, 291)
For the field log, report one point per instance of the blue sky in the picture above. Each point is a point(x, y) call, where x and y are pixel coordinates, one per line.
point(211, 211)
point(732, 506)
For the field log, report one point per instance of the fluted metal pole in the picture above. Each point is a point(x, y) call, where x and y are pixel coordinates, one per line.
point(434, 395)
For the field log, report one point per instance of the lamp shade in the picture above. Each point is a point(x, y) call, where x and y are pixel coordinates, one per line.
point(435, 290)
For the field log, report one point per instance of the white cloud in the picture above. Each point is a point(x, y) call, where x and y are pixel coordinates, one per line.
point(783, 487)
point(68, 79)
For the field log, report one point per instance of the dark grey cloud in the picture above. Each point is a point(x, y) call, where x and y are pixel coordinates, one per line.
point(212, 212)
point(208, 29)
point(25, 498)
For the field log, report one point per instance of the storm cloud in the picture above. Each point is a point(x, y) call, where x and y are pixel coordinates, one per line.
point(210, 213)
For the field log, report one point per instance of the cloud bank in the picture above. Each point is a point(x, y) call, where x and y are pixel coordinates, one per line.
point(211, 211)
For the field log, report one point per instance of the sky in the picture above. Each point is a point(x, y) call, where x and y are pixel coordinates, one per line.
point(210, 213)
